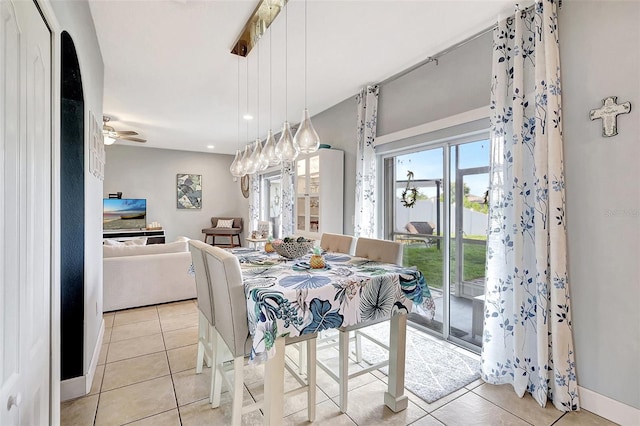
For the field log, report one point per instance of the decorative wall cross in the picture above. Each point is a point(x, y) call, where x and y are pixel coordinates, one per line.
point(609, 114)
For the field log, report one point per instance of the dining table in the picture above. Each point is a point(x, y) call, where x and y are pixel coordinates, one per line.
point(288, 298)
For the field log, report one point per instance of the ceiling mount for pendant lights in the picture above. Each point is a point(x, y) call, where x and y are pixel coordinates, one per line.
point(306, 138)
point(264, 14)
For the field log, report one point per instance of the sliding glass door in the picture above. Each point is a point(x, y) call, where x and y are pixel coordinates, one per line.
point(435, 205)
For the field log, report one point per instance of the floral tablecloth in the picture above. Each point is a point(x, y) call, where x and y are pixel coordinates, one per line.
point(288, 298)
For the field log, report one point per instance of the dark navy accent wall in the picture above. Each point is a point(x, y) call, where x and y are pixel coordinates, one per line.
point(72, 213)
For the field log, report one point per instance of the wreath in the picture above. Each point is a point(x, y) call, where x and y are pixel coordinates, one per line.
point(409, 195)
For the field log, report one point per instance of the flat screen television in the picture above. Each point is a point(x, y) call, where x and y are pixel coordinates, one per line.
point(124, 213)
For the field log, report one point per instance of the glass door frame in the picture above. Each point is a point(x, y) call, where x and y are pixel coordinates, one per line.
point(386, 193)
point(265, 181)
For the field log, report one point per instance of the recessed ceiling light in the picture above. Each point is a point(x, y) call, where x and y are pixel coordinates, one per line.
point(248, 117)
point(210, 146)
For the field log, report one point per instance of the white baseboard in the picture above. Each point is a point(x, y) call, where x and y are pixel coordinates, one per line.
point(80, 386)
point(608, 408)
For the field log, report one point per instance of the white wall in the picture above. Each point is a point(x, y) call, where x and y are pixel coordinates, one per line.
point(600, 57)
point(150, 173)
point(459, 83)
point(75, 18)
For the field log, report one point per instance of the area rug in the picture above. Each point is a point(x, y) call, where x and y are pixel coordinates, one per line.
point(432, 369)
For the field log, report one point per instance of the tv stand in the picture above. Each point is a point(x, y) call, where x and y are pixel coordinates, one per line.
point(155, 236)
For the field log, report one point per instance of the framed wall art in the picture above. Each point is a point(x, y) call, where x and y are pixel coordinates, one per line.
point(189, 189)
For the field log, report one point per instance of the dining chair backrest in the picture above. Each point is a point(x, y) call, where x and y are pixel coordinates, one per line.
point(230, 305)
point(336, 243)
point(379, 250)
point(203, 287)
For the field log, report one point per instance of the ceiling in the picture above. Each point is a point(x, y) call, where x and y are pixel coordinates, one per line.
point(168, 73)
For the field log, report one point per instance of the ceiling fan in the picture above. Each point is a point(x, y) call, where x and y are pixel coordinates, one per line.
point(111, 135)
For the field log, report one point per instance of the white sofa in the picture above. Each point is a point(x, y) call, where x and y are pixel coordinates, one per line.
point(140, 275)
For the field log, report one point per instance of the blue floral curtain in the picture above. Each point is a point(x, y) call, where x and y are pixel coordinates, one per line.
point(366, 188)
point(527, 337)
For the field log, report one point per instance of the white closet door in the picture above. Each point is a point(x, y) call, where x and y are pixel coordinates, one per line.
point(25, 214)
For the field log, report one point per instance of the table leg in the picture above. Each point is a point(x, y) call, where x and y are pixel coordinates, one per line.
point(395, 398)
point(274, 385)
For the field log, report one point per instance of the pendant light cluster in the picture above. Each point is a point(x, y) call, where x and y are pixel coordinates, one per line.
point(288, 147)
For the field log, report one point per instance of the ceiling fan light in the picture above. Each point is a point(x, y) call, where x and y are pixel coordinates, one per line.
point(306, 139)
point(108, 140)
point(269, 150)
point(287, 150)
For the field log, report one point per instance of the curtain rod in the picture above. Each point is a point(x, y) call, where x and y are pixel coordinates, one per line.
point(434, 58)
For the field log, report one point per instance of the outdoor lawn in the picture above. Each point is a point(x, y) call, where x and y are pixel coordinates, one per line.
point(429, 261)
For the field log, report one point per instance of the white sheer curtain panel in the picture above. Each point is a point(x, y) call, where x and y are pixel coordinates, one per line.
point(366, 188)
point(254, 203)
point(288, 194)
point(527, 339)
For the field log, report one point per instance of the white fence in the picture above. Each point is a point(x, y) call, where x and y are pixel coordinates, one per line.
point(474, 223)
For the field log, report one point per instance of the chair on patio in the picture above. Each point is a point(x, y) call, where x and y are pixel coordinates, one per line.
point(230, 309)
point(380, 251)
point(421, 228)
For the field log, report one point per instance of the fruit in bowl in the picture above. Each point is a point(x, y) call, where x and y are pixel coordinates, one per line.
point(292, 247)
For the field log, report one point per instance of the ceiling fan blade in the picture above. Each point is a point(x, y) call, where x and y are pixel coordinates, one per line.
point(126, 132)
point(132, 139)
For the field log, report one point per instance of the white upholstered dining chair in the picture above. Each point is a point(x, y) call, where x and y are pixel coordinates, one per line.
point(230, 309)
point(337, 243)
point(206, 320)
point(379, 251)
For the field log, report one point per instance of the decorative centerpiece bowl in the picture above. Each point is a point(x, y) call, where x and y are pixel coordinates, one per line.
point(292, 248)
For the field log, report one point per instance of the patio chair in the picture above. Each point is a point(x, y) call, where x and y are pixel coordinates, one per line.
point(421, 228)
point(206, 330)
point(380, 251)
point(230, 309)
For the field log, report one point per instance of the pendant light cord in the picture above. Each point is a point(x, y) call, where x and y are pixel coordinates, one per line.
point(305, 53)
point(270, 67)
point(247, 109)
point(258, 95)
point(238, 62)
point(286, 62)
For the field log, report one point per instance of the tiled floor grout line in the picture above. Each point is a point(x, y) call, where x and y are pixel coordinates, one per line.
point(501, 402)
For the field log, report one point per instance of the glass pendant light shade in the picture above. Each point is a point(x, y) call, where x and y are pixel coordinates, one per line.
point(261, 161)
point(248, 163)
point(269, 150)
point(287, 150)
point(306, 139)
point(236, 166)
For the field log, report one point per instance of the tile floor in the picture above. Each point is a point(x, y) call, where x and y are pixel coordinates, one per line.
point(146, 376)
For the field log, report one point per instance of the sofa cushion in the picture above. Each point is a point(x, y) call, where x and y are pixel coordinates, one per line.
point(134, 242)
point(135, 250)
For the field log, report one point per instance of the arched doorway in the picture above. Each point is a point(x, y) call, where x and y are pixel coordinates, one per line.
point(72, 213)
